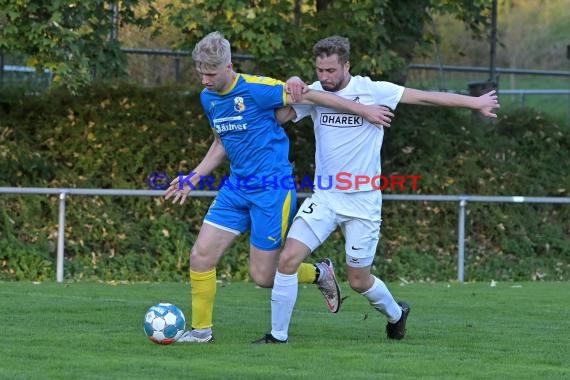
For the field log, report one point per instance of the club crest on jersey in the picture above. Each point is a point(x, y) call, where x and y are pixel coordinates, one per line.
point(239, 104)
point(341, 120)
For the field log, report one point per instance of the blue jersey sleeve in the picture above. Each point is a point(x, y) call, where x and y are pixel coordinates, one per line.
point(269, 93)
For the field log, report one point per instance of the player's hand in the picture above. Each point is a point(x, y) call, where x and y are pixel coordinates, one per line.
point(487, 103)
point(380, 116)
point(295, 87)
point(180, 193)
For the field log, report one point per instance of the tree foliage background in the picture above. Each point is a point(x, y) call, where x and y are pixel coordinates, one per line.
point(75, 39)
point(527, 38)
point(383, 33)
point(81, 41)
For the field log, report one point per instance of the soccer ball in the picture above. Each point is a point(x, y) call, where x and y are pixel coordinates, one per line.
point(164, 323)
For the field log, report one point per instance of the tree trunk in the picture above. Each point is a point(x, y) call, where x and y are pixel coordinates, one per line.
point(322, 5)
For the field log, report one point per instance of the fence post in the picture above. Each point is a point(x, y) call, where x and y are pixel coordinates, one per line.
point(177, 69)
point(60, 237)
point(1, 68)
point(461, 241)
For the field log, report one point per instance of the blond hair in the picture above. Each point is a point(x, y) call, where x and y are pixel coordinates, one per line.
point(212, 51)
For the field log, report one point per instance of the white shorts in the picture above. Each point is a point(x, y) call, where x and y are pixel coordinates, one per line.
point(358, 215)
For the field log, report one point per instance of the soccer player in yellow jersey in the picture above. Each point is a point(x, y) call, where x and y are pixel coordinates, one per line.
point(259, 194)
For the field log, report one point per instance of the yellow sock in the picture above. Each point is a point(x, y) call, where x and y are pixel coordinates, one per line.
point(307, 273)
point(203, 290)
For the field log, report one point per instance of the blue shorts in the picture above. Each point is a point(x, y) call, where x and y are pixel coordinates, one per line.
point(268, 213)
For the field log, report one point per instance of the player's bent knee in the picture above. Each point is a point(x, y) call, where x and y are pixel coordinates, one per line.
point(200, 261)
point(289, 264)
point(263, 280)
point(292, 256)
point(195, 256)
point(360, 284)
point(358, 287)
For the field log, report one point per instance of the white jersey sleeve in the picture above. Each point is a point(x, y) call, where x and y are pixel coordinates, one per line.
point(386, 93)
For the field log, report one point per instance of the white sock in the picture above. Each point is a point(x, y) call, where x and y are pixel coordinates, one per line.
point(283, 297)
point(382, 300)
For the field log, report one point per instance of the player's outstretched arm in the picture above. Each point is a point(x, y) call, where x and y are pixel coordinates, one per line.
point(375, 114)
point(214, 157)
point(485, 103)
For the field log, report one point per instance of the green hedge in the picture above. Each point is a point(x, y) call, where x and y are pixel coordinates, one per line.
point(114, 137)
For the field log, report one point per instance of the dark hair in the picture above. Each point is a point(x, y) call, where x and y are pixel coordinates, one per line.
point(333, 45)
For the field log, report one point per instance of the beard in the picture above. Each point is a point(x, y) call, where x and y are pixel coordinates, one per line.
point(331, 87)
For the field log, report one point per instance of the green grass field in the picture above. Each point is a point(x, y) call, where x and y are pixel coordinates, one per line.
point(455, 331)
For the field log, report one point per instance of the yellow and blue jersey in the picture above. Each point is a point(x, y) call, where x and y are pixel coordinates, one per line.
point(244, 117)
point(258, 150)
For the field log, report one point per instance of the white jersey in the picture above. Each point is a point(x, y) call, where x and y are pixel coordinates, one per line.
point(347, 145)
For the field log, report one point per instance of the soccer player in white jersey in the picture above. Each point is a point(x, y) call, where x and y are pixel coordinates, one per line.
point(347, 144)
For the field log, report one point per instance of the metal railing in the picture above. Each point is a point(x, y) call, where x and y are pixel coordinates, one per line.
point(498, 70)
point(34, 74)
point(524, 92)
point(178, 56)
point(462, 201)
